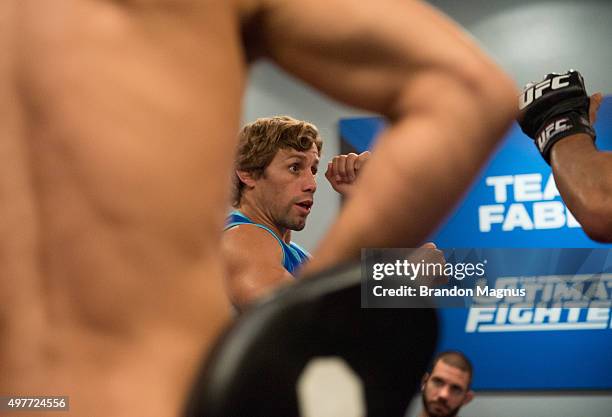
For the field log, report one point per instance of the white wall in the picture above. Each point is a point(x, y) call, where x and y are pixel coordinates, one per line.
point(549, 404)
point(528, 39)
point(531, 38)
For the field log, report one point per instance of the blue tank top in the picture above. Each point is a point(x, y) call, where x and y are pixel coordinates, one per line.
point(293, 254)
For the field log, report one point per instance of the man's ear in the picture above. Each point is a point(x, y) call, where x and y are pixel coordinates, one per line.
point(424, 380)
point(246, 177)
point(468, 397)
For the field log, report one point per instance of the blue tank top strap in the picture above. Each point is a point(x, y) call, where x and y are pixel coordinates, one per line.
point(298, 256)
point(293, 254)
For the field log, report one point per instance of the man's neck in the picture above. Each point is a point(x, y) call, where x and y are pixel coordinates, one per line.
point(258, 215)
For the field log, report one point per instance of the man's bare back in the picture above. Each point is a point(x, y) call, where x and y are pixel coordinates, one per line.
point(121, 118)
point(119, 121)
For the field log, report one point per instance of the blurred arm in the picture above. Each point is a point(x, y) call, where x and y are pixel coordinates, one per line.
point(448, 104)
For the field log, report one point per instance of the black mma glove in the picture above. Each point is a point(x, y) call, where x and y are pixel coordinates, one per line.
point(555, 108)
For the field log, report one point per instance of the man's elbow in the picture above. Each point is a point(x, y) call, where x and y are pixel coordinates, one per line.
point(476, 92)
point(494, 91)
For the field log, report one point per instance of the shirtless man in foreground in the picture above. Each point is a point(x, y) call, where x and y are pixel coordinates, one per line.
point(118, 129)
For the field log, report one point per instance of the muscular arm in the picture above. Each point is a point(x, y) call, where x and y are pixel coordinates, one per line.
point(584, 178)
point(448, 103)
point(254, 264)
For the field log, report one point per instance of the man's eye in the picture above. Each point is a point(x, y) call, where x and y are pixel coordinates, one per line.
point(314, 171)
point(294, 168)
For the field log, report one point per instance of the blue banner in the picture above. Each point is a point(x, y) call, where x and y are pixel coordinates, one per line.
point(514, 203)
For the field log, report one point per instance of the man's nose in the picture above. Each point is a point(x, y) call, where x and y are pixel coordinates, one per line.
point(444, 392)
point(310, 183)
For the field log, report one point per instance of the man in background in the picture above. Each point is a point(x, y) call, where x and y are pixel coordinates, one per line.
point(273, 194)
point(446, 388)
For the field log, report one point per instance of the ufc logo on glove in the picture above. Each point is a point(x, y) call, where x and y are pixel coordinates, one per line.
point(537, 90)
point(555, 108)
point(551, 130)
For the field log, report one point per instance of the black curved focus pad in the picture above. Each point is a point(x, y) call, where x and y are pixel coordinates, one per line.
point(254, 368)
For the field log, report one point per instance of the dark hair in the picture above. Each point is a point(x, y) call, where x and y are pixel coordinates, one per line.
point(455, 359)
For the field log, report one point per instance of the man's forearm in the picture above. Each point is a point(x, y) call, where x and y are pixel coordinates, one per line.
point(422, 165)
point(584, 178)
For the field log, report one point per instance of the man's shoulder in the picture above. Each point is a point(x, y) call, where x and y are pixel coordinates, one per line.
point(249, 239)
